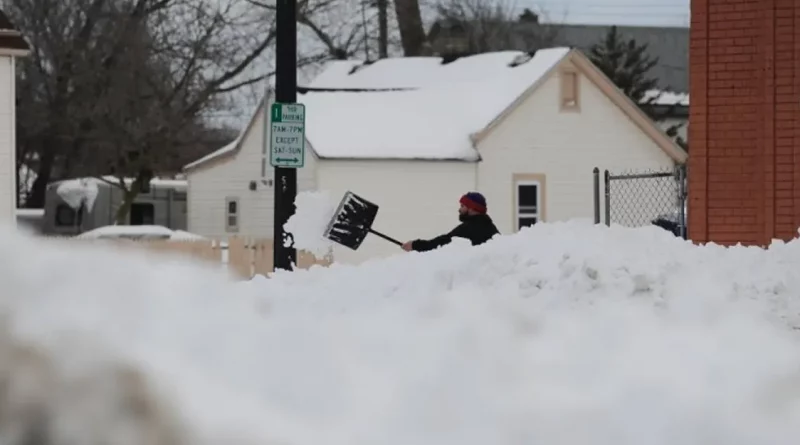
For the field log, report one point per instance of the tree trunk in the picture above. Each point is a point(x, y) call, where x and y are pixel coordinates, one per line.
point(124, 209)
point(383, 29)
point(409, 20)
point(128, 196)
point(38, 191)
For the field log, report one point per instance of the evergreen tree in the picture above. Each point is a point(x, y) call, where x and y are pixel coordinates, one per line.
point(626, 63)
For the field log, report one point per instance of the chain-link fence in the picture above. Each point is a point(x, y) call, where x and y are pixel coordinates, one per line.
point(639, 199)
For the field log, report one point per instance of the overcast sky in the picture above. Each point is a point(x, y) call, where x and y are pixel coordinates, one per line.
point(612, 12)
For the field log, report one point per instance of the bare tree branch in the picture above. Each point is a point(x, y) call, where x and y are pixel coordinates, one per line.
point(477, 26)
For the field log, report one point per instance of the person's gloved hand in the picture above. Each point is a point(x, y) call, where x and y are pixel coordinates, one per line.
point(407, 246)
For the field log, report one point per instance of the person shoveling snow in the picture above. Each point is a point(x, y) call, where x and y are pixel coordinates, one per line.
point(353, 219)
point(476, 226)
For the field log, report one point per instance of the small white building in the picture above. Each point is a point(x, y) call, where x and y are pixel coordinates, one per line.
point(12, 45)
point(414, 134)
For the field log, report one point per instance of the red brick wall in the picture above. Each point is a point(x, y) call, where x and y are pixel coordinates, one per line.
point(744, 130)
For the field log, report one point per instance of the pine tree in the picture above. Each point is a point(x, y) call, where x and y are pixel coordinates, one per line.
point(626, 63)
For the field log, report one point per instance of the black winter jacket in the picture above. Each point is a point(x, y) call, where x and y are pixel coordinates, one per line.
point(476, 228)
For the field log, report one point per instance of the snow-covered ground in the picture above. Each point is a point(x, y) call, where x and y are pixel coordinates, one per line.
point(564, 334)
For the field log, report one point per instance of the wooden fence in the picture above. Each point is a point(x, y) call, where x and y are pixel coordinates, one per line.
point(244, 257)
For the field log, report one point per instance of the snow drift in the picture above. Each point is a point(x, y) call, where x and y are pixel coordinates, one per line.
point(562, 334)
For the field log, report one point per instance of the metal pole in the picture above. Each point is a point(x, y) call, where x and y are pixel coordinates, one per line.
point(596, 174)
point(682, 200)
point(608, 197)
point(285, 92)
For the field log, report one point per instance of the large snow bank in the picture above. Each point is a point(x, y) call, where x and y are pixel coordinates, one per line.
point(564, 334)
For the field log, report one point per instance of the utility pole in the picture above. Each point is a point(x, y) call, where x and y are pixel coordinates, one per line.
point(286, 93)
point(383, 29)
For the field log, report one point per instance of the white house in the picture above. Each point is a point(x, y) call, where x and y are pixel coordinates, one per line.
point(12, 45)
point(414, 134)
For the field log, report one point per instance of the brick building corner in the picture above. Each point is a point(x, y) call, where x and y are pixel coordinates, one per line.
point(744, 131)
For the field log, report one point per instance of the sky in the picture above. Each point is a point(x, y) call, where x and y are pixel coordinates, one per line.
point(616, 12)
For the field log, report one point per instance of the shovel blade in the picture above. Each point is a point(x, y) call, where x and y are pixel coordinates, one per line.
point(352, 221)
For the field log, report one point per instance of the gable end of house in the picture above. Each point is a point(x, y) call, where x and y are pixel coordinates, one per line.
point(577, 61)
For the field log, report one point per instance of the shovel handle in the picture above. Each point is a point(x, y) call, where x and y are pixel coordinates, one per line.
point(386, 237)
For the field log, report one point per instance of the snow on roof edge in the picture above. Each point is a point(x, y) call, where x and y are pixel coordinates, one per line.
point(234, 146)
point(230, 147)
point(477, 158)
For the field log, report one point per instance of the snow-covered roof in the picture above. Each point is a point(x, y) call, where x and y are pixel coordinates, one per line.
point(177, 183)
point(139, 232)
point(227, 149)
point(418, 107)
point(421, 107)
point(439, 107)
point(426, 72)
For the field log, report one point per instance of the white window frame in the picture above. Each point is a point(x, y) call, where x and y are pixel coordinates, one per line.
point(520, 213)
point(232, 215)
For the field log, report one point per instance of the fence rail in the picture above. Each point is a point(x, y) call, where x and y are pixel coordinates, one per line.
point(636, 199)
point(243, 257)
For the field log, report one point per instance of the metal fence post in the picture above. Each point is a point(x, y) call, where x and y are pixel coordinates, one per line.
point(646, 197)
point(607, 180)
point(596, 174)
point(681, 176)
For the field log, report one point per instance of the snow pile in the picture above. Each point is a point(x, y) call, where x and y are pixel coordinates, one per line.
point(564, 334)
point(313, 212)
point(77, 192)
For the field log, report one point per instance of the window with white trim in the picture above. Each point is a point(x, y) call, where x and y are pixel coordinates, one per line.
point(529, 199)
point(231, 214)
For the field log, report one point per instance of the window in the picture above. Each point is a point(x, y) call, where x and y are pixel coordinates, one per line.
point(569, 91)
point(66, 216)
point(231, 214)
point(529, 199)
point(142, 214)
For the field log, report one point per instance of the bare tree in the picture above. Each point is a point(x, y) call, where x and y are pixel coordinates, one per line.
point(329, 29)
point(165, 61)
point(412, 32)
point(477, 26)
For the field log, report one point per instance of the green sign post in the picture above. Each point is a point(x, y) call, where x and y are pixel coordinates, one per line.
point(287, 144)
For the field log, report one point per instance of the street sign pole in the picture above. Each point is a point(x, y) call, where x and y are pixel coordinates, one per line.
point(285, 92)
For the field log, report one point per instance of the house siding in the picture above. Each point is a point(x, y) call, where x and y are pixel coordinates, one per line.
point(565, 147)
point(417, 199)
point(211, 184)
point(8, 181)
point(744, 175)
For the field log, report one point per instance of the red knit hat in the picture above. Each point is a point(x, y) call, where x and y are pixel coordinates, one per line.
point(474, 201)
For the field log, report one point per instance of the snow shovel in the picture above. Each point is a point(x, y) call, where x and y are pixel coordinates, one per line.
point(353, 221)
